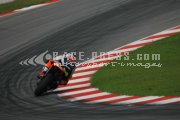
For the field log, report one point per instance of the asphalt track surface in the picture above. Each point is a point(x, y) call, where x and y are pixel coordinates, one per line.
point(81, 25)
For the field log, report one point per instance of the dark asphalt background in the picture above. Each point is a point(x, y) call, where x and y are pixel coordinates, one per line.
point(76, 25)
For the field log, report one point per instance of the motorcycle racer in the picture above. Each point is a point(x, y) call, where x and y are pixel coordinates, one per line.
point(67, 63)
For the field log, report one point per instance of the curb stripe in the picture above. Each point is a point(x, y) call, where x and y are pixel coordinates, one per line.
point(158, 36)
point(6, 13)
point(80, 89)
point(79, 77)
point(154, 100)
point(108, 99)
point(29, 8)
point(73, 90)
point(144, 41)
point(137, 100)
point(121, 99)
point(84, 73)
point(136, 45)
point(73, 79)
point(89, 96)
point(61, 88)
point(102, 97)
point(79, 80)
point(86, 70)
point(170, 31)
point(94, 92)
point(77, 83)
point(77, 92)
point(167, 101)
point(178, 27)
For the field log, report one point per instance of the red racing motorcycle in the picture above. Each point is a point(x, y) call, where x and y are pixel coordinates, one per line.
point(54, 74)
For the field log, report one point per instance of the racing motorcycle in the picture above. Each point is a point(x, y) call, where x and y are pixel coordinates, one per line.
point(50, 80)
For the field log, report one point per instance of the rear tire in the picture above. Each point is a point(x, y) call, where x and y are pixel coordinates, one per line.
point(43, 84)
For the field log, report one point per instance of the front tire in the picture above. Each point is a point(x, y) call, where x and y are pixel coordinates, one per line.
point(43, 84)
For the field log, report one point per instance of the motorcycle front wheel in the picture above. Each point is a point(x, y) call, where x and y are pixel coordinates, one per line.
point(43, 85)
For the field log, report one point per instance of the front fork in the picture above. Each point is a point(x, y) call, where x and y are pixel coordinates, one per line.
point(43, 72)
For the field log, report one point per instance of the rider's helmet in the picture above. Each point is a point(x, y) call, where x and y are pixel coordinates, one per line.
point(71, 57)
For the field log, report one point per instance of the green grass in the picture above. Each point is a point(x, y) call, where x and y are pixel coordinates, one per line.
point(154, 81)
point(17, 4)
